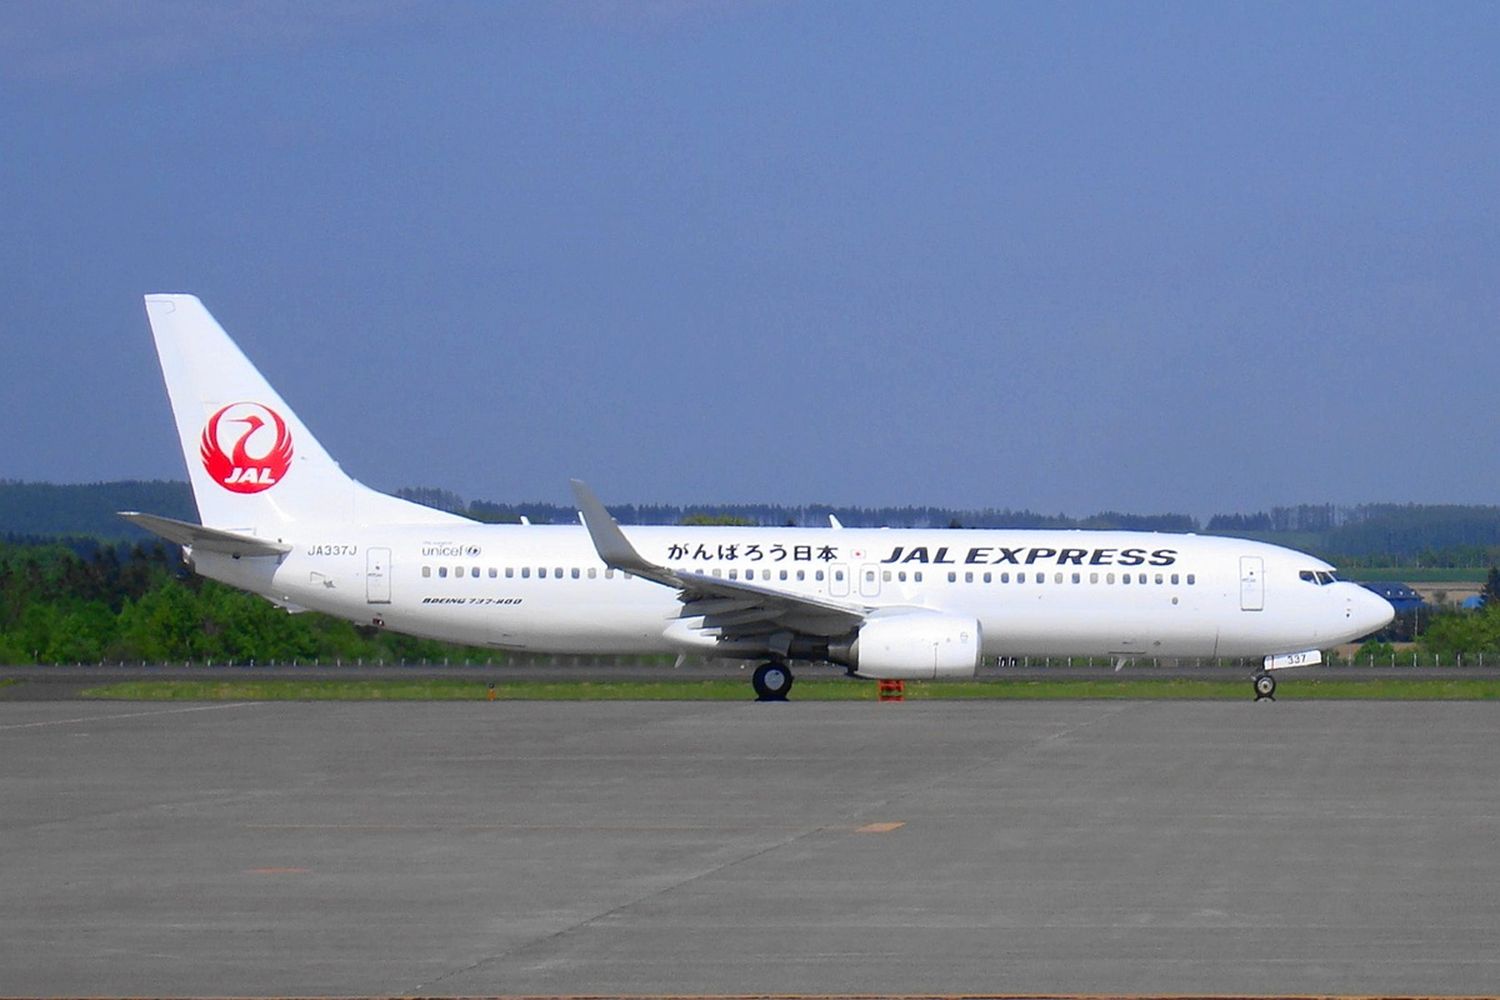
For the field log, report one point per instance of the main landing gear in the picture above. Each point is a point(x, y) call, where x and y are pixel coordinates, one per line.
point(772, 681)
point(1265, 687)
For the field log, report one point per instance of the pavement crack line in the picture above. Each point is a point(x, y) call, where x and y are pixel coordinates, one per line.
point(129, 715)
point(422, 988)
point(927, 782)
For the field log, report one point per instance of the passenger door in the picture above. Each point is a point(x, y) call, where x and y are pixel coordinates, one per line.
point(1252, 583)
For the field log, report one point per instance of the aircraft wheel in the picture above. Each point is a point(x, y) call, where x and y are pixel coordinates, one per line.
point(1265, 687)
point(772, 681)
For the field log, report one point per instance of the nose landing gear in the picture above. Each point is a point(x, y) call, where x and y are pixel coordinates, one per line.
point(1265, 687)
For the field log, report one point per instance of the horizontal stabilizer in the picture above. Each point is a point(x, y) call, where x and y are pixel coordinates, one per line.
point(201, 539)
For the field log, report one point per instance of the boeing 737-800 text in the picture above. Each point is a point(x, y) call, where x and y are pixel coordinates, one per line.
point(281, 519)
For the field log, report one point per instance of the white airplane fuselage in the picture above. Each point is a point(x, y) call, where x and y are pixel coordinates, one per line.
point(280, 518)
point(1035, 593)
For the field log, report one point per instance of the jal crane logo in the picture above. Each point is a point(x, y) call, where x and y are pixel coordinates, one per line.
point(246, 447)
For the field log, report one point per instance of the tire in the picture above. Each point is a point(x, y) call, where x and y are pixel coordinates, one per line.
point(1265, 687)
point(772, 681)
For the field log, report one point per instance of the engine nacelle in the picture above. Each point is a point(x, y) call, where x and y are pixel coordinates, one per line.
point(914, 645)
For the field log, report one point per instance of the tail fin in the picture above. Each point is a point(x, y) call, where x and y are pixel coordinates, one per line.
point(252, 463)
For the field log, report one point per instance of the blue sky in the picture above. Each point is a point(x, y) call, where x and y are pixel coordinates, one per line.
point(1149, 257)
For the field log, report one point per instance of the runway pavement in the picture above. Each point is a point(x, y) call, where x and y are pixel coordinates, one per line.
point(480, 848)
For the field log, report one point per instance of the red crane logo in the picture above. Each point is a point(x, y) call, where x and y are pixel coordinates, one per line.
point(236, 468)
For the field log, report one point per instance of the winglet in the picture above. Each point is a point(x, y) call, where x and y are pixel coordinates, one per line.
point(614, 549)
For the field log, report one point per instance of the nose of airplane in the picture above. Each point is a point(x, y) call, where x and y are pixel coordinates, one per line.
point(1368, 610)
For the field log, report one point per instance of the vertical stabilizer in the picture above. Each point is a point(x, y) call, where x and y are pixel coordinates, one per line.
point(253, 464)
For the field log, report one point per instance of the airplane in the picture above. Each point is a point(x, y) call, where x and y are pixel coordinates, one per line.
point(281, 519)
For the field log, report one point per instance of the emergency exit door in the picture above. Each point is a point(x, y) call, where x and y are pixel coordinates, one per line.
point(378, 576)
point(1252, 583)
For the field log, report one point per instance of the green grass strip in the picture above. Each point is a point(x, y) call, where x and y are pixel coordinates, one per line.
point(819, 689)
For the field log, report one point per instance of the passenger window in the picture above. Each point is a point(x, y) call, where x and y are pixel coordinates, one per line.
point(426, 571)
point(1093, 578)
point(442, 572)
point(593, 572)
point(1005, 578)
point(1109, 578)
point(952, 577)
point(783, 574)
point(1141, 579)
point(817, 575)
point(1020, 577)
point(1174, 579)
point(526, 572)
point(1057, 578)
point(609, 574)
point(987, 578)
point(494, 573)
point(734, 574)
point(474, 572)
point(1077, 577)
point(510, 572)
point(801, 574)
point(901, 576)
point(968, 578)
point(558, 572)
point(1158, 579)
point(1192, 578)
point(885, 575)
point(719, 573)
point(1124, 577)
point(838, 574)
point(575, 572)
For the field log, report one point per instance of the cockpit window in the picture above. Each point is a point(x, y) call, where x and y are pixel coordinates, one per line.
point(1321, 578)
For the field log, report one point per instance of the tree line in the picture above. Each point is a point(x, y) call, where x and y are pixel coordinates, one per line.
point(1433, 535)
point(80, 601)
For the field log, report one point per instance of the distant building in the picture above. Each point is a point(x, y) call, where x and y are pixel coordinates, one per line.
point(1402, 597)
point(1472, 603)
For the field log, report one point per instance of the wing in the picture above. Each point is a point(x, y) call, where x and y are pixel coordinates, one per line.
point(733, 611)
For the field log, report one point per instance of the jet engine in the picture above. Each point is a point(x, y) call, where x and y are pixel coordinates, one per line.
point(911, 645)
